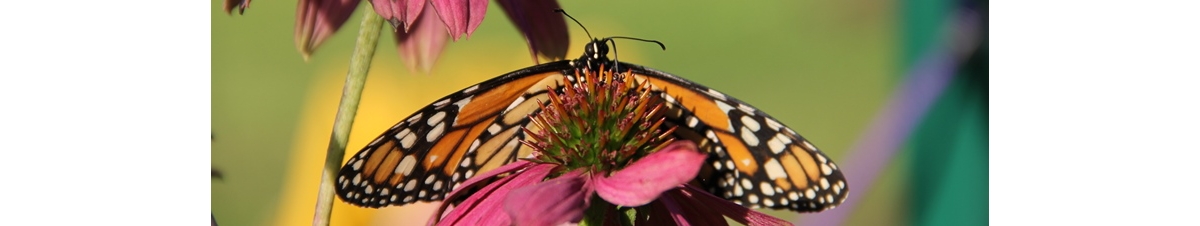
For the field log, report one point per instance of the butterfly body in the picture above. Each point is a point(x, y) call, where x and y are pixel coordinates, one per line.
point(754, 160)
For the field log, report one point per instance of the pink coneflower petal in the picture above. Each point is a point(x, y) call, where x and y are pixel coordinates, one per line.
point(684, 211)
point(553, 202)
point(482, 206)
point(545, 31)
point(461, 16)
point(693, 196)
point(647, 178)
point(421, 46)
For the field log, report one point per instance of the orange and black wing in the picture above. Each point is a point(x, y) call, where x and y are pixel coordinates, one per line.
point(466, 133)
point(754, 160)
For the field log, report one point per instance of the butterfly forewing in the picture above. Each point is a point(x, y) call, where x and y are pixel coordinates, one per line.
point(426, 155)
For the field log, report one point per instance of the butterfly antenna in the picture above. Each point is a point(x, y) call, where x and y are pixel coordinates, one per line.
point(660, 44)
point(617, 57)
point(564, 13)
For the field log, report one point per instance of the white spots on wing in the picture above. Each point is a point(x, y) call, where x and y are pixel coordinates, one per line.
point(810, 194)
point(766, 189)
point(776, 143)
point(746, 108)
point(724, 107)
point(429, 179)
point(749, 137)
point(514, 104)
point(773, 124)
point(810, 147)
point(753, 198)
point(494, 129)
point(471, 89)
point(407, 142)
point(410, 185)
point(463, 102)
point(403, 133)
point(774, 169)
point(435, 133)
point(414, 118)
point(432, 158)
point(749, 122)
point(717, 95)
point(825, 169)
point(474, 145)
point(824, 183)
point(437, 185)
point(747, 184)
point(441, 103)
point(406, 165)
point(357, 164)
point(436, 118)
point(711, 135)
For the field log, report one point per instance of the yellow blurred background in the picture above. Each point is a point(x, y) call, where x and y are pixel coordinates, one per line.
point(823, 68)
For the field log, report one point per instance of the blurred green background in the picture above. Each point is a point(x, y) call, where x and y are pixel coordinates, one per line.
point(824, 68)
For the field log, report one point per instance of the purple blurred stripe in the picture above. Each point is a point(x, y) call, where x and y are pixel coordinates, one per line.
point(888, 132)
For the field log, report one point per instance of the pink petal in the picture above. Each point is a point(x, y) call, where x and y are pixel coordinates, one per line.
point(421, 46)
point(694, 196)
point(317, 20)
point(461, 16)
point(545, 31)
point(642, 182)
point(482, 207)
point(400, 13)
point(553, 202)
point(685, 211)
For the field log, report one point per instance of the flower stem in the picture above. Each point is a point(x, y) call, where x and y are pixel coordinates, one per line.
point(360, 63)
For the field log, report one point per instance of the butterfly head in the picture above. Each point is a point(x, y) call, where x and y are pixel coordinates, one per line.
point(595, 55)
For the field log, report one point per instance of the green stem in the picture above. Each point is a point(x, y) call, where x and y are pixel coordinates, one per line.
point(360, 63)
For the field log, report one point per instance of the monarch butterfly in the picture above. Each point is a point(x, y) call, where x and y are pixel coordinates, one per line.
point(754, 160)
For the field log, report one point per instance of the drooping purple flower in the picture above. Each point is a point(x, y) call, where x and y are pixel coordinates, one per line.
point(423, 27)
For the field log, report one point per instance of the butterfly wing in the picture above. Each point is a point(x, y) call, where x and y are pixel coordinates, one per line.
point(754, 160)
point(425, 156)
